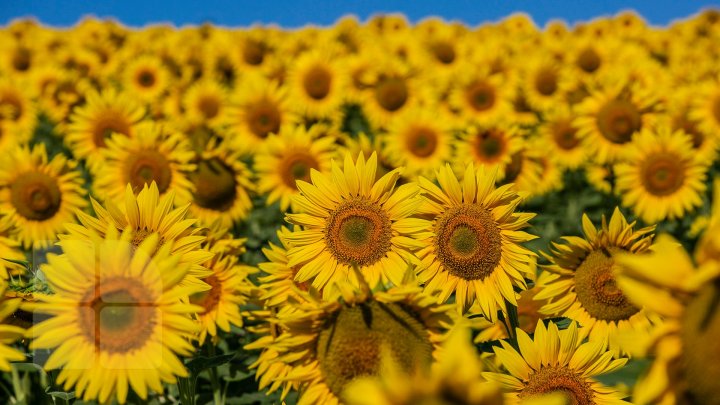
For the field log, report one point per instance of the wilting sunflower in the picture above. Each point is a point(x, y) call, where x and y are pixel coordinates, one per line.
point(609, 117)
point(222, 185)
point(146, 77)
point(666, 281)
point(662, 178)
point(317, 82)
point(288, 157)
point(352, 219)
point(330, 343)
point(585, 289)
point(556, 361)
point(229, 289)
point(561, 138)
point(116, 316)
point(456, 378)
point(146, 214)
point(418, 141)
point(39, 196)
point(492, 146)
point(103, 114)
point(154, 154)
point(258, 110)
point(472, 245)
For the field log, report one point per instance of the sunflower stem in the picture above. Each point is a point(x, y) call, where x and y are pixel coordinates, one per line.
point(214, 383)
point(514, 323)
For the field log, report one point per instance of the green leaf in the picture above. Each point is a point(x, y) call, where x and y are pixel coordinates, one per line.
point(201, 363)
point(62, 395)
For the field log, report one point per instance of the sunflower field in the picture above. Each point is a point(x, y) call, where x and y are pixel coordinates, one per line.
point(372, 213)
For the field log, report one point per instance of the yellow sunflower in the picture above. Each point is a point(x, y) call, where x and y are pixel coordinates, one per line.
point(103, 114)
point(545, 82)
point(10, 249)
point(418, 141)
point(146, 77)
point(288, 157)
point(317, 83)
point(9, 333)
point(679, 109)
point(556, 361)
point(146, 214)
point(480, 94)
point(472, 245)
point(706, 107)
point(205, 103)
point(39, 195)
point(662, 177)
point(561, 138)
point(492, 146)
point(392, 91)
point(278, 281)
point(684, 349)
point(154, 154)
point(18, 114)
point(328, 344)
point(116, 316)
point(351, 219)
point(585, 289)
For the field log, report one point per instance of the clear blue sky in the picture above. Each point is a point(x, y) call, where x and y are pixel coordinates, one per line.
point(324, 12)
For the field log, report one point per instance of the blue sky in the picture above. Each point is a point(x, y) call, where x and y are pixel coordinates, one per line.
point(324, 12)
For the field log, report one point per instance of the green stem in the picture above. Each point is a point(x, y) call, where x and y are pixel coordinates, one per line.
point(514, 323)
point(17, 385)
point(214, 383)
point(186, 388)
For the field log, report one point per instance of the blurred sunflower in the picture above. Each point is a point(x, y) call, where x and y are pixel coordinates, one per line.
point(39, 195)
point(205, 103)
point(146, 77)
point(662, 178)
point(290, 156)
point(561, 138)
point(492, 146)
point(545, 82)
point(317, 83)
point(480, 94)
point(153, 155)
point(472, 245)
point(10, 252)
point(584, 288)
point(9, 333)
point(18, 114)
point(116, 316)
point(556, 361)
point(392, 91)
point(706, 107)
point(278, 281)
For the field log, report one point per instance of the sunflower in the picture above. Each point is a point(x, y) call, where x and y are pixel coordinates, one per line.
point(329, 344)
point(205, 104)
point(39, 196)
point(532, 173)
point(116, 316)
point(229, 289)
point(10, 252)
point(556, 361)
point(585, 289)
point(456, 378)
point(259, 109)
point(18, 115)
point(153, 155)
point(9, 333)
point(472, 245)
point(492, 146)
point(684, 348)
point(350, 219)
point(103, 114)
point(480, 94)
point(418, 141)
point(222, 186)
point(392, 91)
point(706, 107)
point(146, 77)
point(317, 83)
point(288, 157)
point(609, 117)
point(278, 281)
point(679, 114)
point(545, 82)
point(146, 214)
point(561, 138)
point(662, 178)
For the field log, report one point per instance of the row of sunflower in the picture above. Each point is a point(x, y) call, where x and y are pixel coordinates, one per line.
point(145, 175)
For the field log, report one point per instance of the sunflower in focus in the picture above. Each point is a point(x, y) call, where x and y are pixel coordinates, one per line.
point(104, 113)
point(331, 343)
point(146, 77)
point(583, 286)
point(472, 246)
point(116, 316)
point(146, 214)
point(154, 154)
point(556, 361)
point(39, 195)
point(290, 156)
point(662, 178)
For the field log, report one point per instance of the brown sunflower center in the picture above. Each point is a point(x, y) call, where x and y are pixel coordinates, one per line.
point(297, 167)
point(421, 141)
point(215, 186)
point(480, 95)
point(358, 232)
point(549, 380)
point(118, 315)
point(618, 120)
point(546, 81)
point(468, 242)
point(317, 82)
point(352, 343)
point(144, 167)
point(444, 52)
point(146, 78)
point(597, 290)
point(515, 167)
point(11, 107)
point(391, 93)
point(490, 145)
point(209, 299)
point(565, 135)
point(209, 106)
point(36, 196)
point(263, 118)
point(700, 333)
point(662, 174)
point(254, 52)
point(588, 60)
point(108, 123)
point(22, 59)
